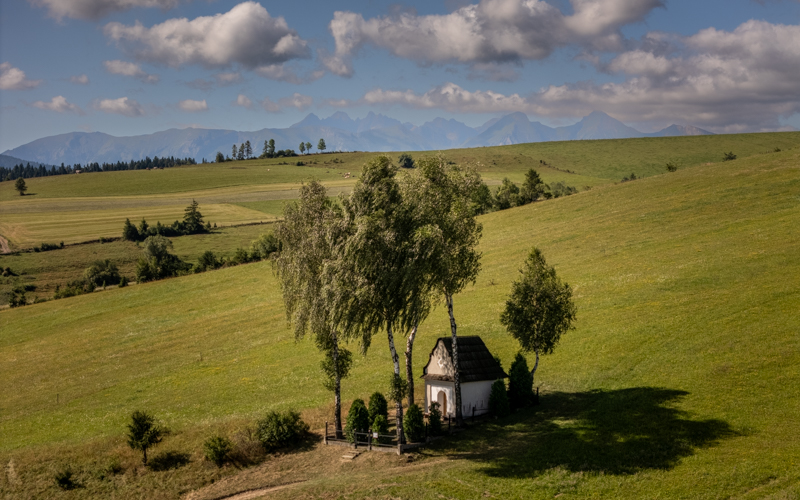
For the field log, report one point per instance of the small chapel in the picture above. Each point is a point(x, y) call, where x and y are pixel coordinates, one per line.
point(478, 370)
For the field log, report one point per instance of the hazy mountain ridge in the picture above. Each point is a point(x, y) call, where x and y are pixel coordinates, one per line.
point(374, 132)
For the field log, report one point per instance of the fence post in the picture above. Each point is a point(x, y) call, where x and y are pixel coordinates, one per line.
point(369, 440)
point(326, 432)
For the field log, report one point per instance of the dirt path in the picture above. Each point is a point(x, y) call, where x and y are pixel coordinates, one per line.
point(251, 494)
point(4, 246)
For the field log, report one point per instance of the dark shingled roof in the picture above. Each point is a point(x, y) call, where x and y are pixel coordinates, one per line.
point(475, 362)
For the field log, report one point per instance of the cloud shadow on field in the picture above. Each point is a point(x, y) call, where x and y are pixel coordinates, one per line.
point(606, 431)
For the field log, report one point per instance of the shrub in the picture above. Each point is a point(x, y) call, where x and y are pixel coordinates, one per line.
point(498, 400)
point(406, 161)
point(113, 468)
point(378, 406)
point(559, 189)
point(729, 156)
point(8, 272)
point(398, 388)
point(241, 256)
point(435, 419)
point(64, 479)
point(520, 383)
point(671, 167)
point(73, 288)
point(129, 231)
point(357, 420)
point(17, 297)
point(264, 246)
point(381, 426)
point(123, 282)
point(507, 195)
point(414, 424)
point(102, 271)
point(278, 430)
point(207, 261)
point(144, 433)
point(217, 449)
point(247, 447)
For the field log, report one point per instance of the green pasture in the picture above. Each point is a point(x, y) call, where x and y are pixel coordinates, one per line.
point(681, 380)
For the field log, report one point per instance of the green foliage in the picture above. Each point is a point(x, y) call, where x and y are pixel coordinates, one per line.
point(398, 388)
point(507, 195)
point(540, 308)
point(208, 260)
point(17, 297)
point(435, 419)
point(729, 156)
point(520, 383)
point(381, 426)
point(559, 189)
point(671, 166)
point(73, 288)
point(631, 177)
point(129, 231)
point(532, 189)
point(281, 429)
point(193, 219)
point(220, 158)
point(302, 147)
point(405, 161)
point(414, 424)
point(482, 201)
point(217, 449)
point(321, 145)
point(46, 247)
point(144, 433)
point(264, 246)
point(157, 262)
point(378, 406)
point(357, 420)
point(498, 400)
point(123, 282)
point(102, 272)
point(344, 360)
point(20, 186)
point(64, 479)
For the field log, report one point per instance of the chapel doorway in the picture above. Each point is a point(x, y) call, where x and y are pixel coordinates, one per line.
point(442, 400)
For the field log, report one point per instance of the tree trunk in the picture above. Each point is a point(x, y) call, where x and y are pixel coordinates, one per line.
point(456, 374)
point(399, 403)
point(409, 370)
point(337, 390)
point(536, 364)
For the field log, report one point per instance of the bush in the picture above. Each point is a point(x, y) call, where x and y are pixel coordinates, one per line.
point(17, 297)
point(357, 420)
point(241, 256)
point(278, 430)
point(631, 178)
point(217, 449)
point(378, 406)
point(381, 426)
point(73, 288)
point(671, 167)
point(102, 271)
point(435, 419)
point(264, 246)
point(144, 433)
point(498, 400)
point(729, 156)
point(123, 282)
point(559, 189)
point(406, 161)
point(414, 424)
point(64, 479)
point(129, 231)
point(520, 383)
point(207, 261)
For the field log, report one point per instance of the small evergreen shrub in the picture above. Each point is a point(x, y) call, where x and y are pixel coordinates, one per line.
point(64, 479)
point(217, 449)
point(520, 383)
point(281, 429)
point(381, 426)
point(378, 406)
point(671, 167)
point(414, 424)
point(144, 433)
point(498, 400)
point(435, 419)
point(357, 420)
point(123, 282)
point(729, 156)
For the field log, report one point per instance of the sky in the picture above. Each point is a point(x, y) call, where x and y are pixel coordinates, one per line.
point(130, 67)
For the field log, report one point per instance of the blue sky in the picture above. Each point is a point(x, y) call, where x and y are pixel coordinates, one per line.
point(127, 67)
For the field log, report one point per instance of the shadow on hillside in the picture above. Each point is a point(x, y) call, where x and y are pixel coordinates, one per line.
point(614, 432)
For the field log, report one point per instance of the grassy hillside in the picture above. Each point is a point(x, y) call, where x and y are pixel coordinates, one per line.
point(681, 379)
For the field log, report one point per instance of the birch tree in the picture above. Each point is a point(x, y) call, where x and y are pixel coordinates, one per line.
point(539, 309)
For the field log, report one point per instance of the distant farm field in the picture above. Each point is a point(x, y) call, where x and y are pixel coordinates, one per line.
point(681, 380)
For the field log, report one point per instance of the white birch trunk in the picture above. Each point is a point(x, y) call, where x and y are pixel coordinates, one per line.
point(456, 374)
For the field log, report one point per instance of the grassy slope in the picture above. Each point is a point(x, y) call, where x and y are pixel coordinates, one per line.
point(687, 286)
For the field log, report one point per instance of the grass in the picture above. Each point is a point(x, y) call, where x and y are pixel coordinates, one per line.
point(681, 379)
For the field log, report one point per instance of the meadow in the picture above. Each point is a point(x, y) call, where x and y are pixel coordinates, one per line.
point(681, 379)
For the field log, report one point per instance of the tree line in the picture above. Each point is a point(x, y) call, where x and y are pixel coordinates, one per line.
point(28, 171)
point(244, 151)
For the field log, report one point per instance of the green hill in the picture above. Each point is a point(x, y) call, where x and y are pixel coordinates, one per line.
point(680, 381)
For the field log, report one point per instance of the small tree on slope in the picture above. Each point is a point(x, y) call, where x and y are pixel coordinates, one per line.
point(540, 308)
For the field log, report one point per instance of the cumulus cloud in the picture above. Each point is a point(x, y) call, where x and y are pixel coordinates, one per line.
point(245, 35)
point(93, 10)
point(193, 106)
point(12, 78)
point(130, 69)
point(488, 32)
point(58, 104)
point(243, 101)
point(79, 79)
point(727, 81)
point(122, 106)
point(296, 100)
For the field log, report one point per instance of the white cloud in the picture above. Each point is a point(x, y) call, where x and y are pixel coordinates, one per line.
point(246, 35)
point(297, 101)
point(193, 106)
point(133, 70)
point(122, 106)
point(58, 104)
point(488, 32)
point(243, 101)
point(12, 78)
point(79, 79)
point(96, 9)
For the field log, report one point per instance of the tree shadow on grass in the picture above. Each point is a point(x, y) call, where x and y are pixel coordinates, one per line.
point(168, 460)
point(614, 432)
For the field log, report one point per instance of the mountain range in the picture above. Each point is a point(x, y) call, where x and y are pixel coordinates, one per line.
point(374, 132)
